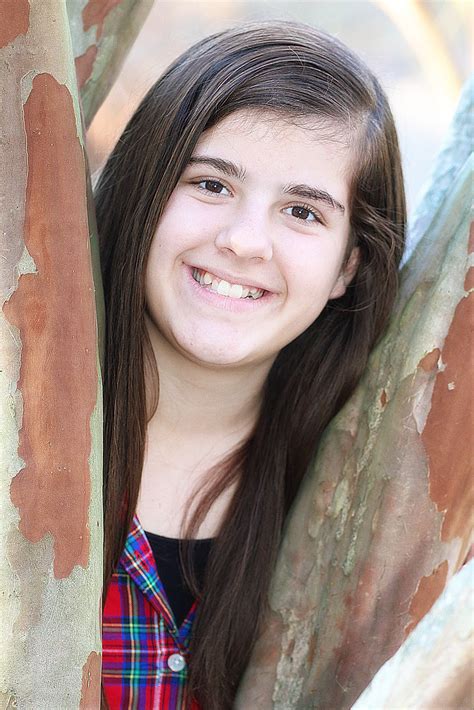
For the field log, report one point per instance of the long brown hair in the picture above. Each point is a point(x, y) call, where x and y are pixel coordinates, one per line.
point(296, 71)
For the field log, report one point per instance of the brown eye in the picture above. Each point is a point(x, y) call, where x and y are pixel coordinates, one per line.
point(212, 186)
point(300, 212)
point(304, 214)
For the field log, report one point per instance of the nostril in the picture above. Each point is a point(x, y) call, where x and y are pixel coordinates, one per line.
point(245, 241)
point(251, 250)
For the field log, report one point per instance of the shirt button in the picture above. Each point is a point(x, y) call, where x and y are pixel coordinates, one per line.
point(176, 662)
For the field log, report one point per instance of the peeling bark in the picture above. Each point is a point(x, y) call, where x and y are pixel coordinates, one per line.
point(85, 65)
point(94, 14)
point(102, 33)
point(50, 400)
point(433, 668)
point(444, 436)
point(90, 690)
point(15, 20)
point(429, 589)
point(51, 343)
point(381, 521)
point(54, 312)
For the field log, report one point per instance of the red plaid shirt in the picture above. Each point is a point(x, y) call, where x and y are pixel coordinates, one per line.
point(145, 655)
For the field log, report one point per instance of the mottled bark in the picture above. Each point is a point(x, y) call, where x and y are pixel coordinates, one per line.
point(50, 341)
point(102, 33)
point(382, 520)
point(433, 668)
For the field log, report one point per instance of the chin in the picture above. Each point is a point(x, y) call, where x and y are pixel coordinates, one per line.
point(211, 358)
point(209, 355)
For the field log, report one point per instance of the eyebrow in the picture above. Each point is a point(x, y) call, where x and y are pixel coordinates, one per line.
point(225, 166)
point(314, 193)
point(298, 190)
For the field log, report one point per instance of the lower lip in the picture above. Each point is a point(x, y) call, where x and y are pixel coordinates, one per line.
point(226, 303)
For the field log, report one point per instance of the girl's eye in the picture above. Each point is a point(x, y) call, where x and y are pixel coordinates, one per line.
point(213, 186)
point(303, 213)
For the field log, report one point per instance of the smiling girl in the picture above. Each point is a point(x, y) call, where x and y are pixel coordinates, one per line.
point(252, 220)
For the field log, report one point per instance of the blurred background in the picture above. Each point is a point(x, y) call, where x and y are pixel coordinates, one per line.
point(419, 49)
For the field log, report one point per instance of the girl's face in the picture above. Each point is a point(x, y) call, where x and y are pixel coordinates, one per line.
point(252, 241)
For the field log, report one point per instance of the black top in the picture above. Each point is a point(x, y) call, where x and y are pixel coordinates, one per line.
point(166, 553)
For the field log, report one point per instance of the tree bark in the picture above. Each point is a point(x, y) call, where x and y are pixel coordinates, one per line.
point(433, 668)
point(382, 520)
point(52, 312)
point(102, 33)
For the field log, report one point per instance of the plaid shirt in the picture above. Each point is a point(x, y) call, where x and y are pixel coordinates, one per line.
point(145, 655)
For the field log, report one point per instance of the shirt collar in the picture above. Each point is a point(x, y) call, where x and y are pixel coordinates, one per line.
point(138, 561)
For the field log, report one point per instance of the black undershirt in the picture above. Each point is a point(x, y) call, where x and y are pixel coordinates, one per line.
point(166, 553)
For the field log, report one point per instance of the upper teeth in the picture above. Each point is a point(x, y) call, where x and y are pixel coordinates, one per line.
point(224, 288)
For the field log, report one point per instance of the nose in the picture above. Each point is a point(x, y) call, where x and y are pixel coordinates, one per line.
point(248, 235)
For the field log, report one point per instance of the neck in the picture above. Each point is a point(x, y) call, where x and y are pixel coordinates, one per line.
point(204, 402)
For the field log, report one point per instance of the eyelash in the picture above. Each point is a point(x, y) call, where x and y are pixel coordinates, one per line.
point(303, 206)
point(213, 180)
point(309, 209)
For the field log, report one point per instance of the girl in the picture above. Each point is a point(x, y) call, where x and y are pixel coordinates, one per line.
point(252, 219)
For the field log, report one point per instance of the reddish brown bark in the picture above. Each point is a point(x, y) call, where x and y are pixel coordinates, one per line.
point(90, 691)
point(433, 668)
point(51, 426)
point(430, 361)
point(99, 54)
point(15, 20)
point(54, 311)
point(428, 591)
point(95, 13)
point(449, 427)
point(469, 282)
point(85, 64)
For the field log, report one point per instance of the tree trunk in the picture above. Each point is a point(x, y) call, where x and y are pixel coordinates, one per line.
point(51, 400)
point(102, 33)
point(433, 668)
point(381, 521)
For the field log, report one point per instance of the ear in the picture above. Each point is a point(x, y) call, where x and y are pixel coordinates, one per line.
point(346, 274)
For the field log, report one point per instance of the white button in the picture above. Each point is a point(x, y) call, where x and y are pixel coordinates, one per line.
point(176, 662)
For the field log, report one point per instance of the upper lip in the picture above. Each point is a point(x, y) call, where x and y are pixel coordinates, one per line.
point(232, 278)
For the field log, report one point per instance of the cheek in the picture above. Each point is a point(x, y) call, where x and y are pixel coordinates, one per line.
point(312, 268)
point(173, 225)
point(185, 221)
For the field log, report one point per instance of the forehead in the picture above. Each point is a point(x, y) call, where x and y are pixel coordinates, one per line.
point(286, 148)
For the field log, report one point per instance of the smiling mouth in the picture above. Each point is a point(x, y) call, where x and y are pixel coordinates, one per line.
point(210, 282)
